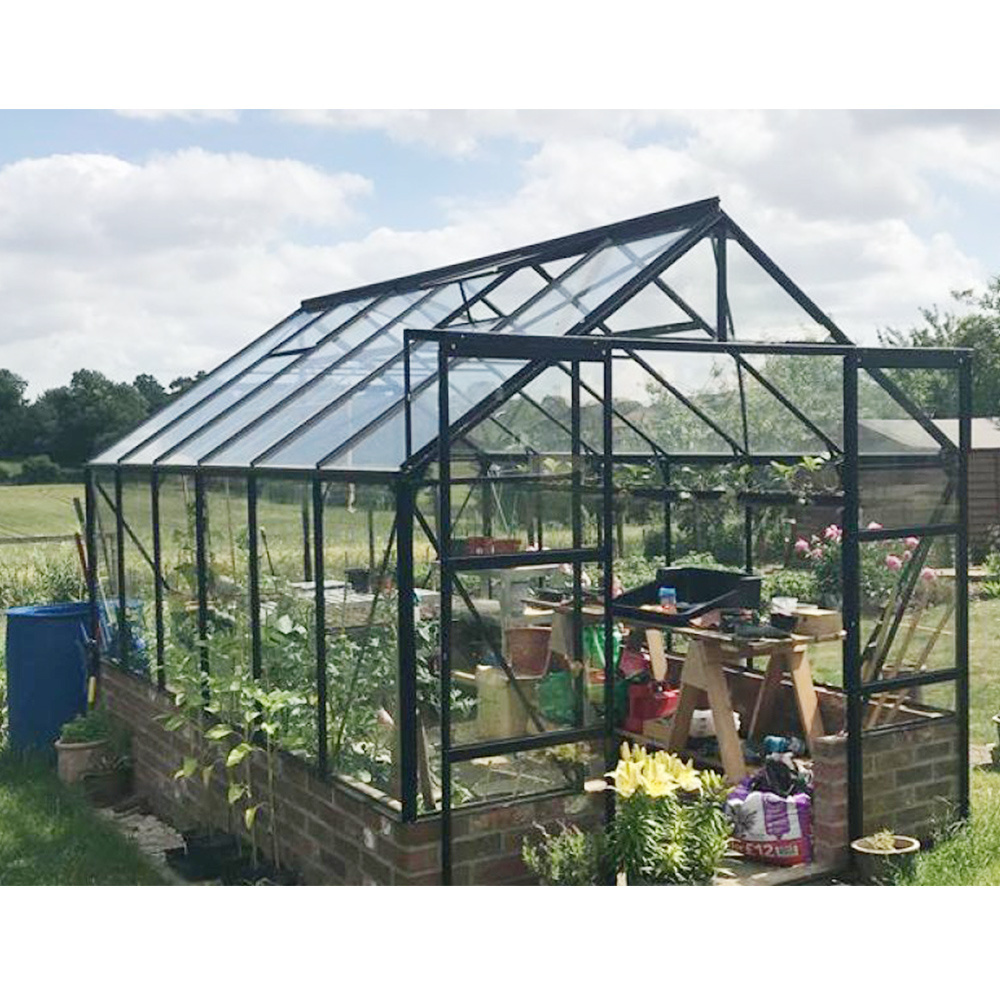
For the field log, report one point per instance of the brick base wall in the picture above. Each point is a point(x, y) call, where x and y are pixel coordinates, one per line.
point(338, 833)
point(344, 833)
point(910, 784)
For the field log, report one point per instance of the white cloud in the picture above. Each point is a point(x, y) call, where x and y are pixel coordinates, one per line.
point(163, 266)
point(460, 132)
point(199, 115)
point(171, 264)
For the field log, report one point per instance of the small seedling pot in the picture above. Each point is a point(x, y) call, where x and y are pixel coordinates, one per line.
point(880, 866)
point(77, 759)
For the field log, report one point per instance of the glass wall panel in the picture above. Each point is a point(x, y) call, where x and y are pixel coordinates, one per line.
point(361, 629)
point(908, 606)
point(107, 563)
point(287, 608)
point(138, 638)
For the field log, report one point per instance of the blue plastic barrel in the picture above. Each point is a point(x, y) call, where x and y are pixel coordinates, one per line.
point(46, 671)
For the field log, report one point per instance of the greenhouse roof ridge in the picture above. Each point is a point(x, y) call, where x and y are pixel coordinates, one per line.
point(679, 217)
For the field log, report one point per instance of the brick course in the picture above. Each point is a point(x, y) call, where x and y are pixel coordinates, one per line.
point(341, 833)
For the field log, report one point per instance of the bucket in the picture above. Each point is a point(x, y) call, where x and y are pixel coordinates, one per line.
point(46, 671)
point(528, 649)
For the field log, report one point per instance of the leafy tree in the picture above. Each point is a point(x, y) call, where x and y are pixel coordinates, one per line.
point(40, 469)
point(77, 420)
point(151, 391)
point(13, 412)
point(184, 382)
point(979, 329)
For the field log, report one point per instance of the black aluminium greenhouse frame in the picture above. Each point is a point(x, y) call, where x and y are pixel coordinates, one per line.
point(589, 339)
point(454, 345)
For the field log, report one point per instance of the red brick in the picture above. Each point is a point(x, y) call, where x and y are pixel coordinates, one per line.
point(421, 832)
point(476, 848)
point(426, 878)
point(508, 817)
point(498, 871)
point(333, 863)
point(420, 859)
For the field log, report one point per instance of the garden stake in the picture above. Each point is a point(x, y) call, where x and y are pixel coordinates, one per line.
point(267, 552)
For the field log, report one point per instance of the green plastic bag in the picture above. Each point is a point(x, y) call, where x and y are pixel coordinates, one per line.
point(557, 697)
point(593, 646)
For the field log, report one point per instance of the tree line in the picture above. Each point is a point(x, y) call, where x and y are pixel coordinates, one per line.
point(65, 427)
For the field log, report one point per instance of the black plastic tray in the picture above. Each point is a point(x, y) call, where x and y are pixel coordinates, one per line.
point(698, 590)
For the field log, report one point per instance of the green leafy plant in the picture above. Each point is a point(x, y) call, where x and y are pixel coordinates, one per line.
point(96, 725)
point(88, 727)
point(669, 827)
point(567, 857)
point(265, 715)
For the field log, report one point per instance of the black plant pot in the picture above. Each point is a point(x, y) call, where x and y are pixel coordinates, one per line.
point(244, 872)
point(204, 857)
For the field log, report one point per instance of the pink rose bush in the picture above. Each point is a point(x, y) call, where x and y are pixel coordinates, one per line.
point(881, 563)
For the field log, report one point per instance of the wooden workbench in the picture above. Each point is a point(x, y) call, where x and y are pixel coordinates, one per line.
point(703, 671)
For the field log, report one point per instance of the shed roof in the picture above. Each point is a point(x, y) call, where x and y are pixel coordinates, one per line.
point(909, 435)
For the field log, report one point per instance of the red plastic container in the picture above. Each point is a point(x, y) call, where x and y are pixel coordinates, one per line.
point(649, 701)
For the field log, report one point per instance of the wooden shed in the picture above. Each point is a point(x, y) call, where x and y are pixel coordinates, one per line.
point(913, 486)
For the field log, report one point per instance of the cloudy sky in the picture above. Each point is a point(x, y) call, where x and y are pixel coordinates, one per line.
point(162, 241)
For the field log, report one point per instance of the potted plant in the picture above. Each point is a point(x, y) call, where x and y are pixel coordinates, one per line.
point(881, 856)
point(82, 744)
point(93, 750)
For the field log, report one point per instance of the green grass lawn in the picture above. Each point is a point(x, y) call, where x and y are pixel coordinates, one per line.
point(49, 835)
point(38, 510)
point(971, 856)
point(984, 667)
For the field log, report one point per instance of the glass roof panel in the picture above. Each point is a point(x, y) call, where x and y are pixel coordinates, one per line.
point(511, 293)
point(587, 285)
point(207, 385)
point(291, 375)
point(325, 390)
point(469, 381)
point(247, 396)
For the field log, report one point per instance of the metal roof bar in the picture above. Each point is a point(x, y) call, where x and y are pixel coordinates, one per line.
point(680, 217)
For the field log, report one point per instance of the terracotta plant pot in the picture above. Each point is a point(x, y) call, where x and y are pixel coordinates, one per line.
point(880, 866)
point(77, 759)
point(506, 546)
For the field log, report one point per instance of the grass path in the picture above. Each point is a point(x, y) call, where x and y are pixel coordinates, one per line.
point(49, 835)
point(972, 856)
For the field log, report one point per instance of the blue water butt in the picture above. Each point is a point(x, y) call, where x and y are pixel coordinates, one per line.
point(46, 671)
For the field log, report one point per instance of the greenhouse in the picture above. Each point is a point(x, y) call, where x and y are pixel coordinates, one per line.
point(424, 529)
